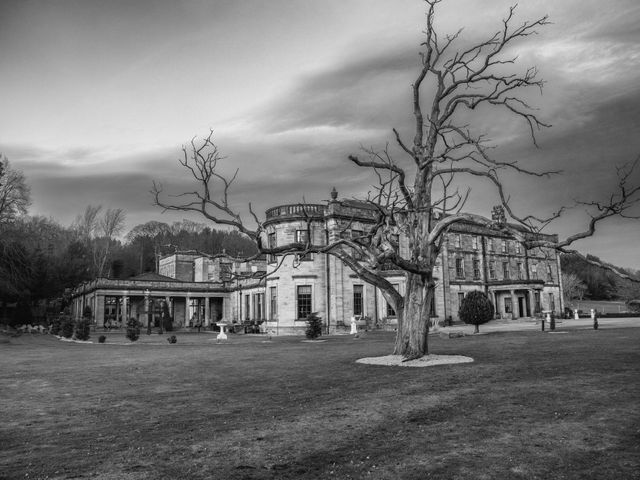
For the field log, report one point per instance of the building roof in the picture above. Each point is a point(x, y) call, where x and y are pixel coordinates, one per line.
point(153, 277)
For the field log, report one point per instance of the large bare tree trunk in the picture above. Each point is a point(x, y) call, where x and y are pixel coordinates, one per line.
point(413, 320)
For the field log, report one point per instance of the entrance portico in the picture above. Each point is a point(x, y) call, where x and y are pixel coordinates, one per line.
point(516, 300)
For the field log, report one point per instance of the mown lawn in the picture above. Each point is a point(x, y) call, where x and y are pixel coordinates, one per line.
point(532, 405)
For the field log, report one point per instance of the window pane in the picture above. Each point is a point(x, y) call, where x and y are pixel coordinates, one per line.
point(304, 301)
point(357, 299)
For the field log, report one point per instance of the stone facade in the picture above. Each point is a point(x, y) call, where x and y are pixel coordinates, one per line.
point(519, 282)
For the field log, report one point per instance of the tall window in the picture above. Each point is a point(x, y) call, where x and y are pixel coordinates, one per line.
point(273, 302)
point(271, 239)
point(302, 236)
point(504, 246)
point(258, 306)
point(303, 301)
point(492, 270)
point(458, 241)
point(518, 248)
point(247, 307)
point(534, 271)
point(549, 272)
point(474, 242)
point(536, 297)
point(552, 302)
point(476, 268)
point(459, 268)
point(358, 294)
point(520, 271)
point(490, 244)
point(505, 271)
point(508, 306)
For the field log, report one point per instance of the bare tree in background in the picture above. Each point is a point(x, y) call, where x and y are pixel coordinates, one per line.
point(15, 194)
point(424, 200)
point(98, 232)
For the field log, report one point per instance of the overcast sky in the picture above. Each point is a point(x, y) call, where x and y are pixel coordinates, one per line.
point(97, 98)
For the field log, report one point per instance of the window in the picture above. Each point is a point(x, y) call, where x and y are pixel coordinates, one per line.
point(508, 306)
point(504, 246)
point(520, 271)
point(358, 294)
point(492, 270)
point(490, 244)
point(549, 272)
point(460, 299)
point(271, 243)
point(474, 242)
point(458, 241)
point(518, 248)
point(247, 307)
point(505, 270)
point(476, 268)
point(258, 306)
point(552, 302)
point(459, 268)
point(302, 236)
point(273, 303)
point(536, 297)
point(304, 301)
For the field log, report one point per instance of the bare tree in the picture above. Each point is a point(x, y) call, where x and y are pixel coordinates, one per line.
point(98, 233)
point(15, 194)
point(425, 200)
point(572, 287)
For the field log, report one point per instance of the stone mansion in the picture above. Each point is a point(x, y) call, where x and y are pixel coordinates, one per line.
point(282, 291)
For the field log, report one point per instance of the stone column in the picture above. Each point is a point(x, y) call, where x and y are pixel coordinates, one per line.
point(532, 305)
point(125, 309)
point(514, 304)
point(187, 319)
point(207, 312)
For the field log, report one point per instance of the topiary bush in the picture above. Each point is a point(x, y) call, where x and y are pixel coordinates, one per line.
point(476, 309)
point(102, 339)
point(83, 328)
point(133, 329)
point(67, 325)
point(314, 326)
point(172, 339)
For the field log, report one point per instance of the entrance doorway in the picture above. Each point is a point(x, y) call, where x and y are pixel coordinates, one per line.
point(521, 307)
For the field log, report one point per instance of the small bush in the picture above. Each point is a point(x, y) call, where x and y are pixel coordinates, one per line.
point(67, 326)
point(476, 309)
point(102, 339)
point(56, 325)
point(314, 326)
point(133, 329)
point(172, 339)
point(83, 328)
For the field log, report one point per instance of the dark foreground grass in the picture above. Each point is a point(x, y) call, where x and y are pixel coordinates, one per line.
point(533, 405)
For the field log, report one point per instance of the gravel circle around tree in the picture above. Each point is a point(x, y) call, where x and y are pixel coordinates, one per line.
point(426, 361)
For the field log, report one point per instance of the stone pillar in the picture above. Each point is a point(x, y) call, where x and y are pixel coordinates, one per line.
point(514, 304)
point(207, 312)
point(125, 309)
point(187, 319)
point(532, 305)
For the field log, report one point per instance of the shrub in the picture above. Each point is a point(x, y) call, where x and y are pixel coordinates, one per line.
point(102, 339)
point(67, 326)
point(56, 324)
point(172, 339)
point(83, 328)
point(634, 306)
point(133, 329)
point(476, 309)
point(314, 326)
point(166, 320)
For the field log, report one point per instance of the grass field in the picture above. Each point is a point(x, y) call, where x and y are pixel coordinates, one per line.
point(532, 405)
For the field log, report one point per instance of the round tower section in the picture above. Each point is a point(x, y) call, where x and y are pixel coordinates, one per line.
point(296, 283)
